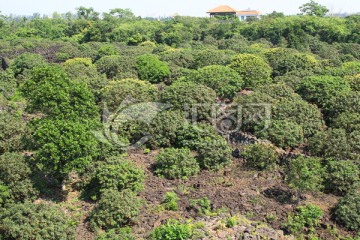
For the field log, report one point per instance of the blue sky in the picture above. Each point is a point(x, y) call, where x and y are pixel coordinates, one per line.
point(156, 8)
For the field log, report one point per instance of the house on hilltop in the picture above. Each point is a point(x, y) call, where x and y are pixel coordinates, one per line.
point(225, 10)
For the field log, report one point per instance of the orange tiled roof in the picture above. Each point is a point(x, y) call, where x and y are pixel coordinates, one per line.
point(248, 12)
point(222, 9)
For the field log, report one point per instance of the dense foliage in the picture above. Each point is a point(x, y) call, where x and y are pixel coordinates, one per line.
point(173, 163)
point(35, 221)
point(131, 110)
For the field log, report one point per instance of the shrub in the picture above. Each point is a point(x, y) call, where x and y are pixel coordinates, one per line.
point(173, 163)
point(209, 57)
point(305, 174)
point(186, 95)
point(16, 174)
point(298, 111)
point(62, 146)
point(347, 212)
point(83, 71)
point(305, 218)
point(5, 194)
point(256, 107)
point(343, 102)
point(223, 80)
point(342, 177)
point(115, 173)
point(170, 201)
point(354, 82)
point(348, 121)
point(203, 206)
point(26, 62)
point(278, 91)
point(284, 60)
point(333, 143)
point(165, 127)
point(260, 156)
point(115, 209)
point(172, 230)
point(35, 221)
point(7, 83)
point(320, 89)
point(150, 68)
point(117, 67)
point(51, 92)
point(12, 131)
point(193, 135)
point(252, 68)
point(116, 92)
point(117, 234)
point(214, 153)
point(283, 133)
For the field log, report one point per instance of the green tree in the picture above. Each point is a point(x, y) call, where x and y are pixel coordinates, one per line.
point(16, 174)
point(150, 68)
point(50, 92)
point(12, 131)
point(62, 146)
point(26, 62)
point(305, 174)
point(173, 163)
point(117, 67)
point(115, 209)
point(261, 156)
point(116, 173)
point(320, 89)
point(313, 8)
point(283, 133)
point(35, 221)
point(116, 92)
point(193, 98)
point(122, 13)
point(252, 68)
point(225, 81)
point(306, 217)
point(347, 211)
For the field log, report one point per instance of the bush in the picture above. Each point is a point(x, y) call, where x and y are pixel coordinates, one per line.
point(283, 133)
point(320, 89)
point(170, 201)
point(116, 92)
point(62, 146)
point(347, 212)
point(333, 143)
point(285, 60)
point(186, 95)
point(16, 174)
point(298, 111)
point(342, 177)
point(173, 163)
point(252, 68)
point(35, 221)
point(209, 57)
point(117, 67)
point(354, 82)
point(165, 127)
point(306, 218)
point(117, 234)
point(150, 68)
point(115, 209)
point(214, 153)
point(26, 62)
point(7, 83)
point(305, 174)
point(223, 80)
point(279, 91)
point(83, 71)
point(260, 156)
point(51, 92)
point(115, 173)
point(5, 194)
point(202, 206)
point(172, 230)
point(12, 131)
point(193, 135)
point(348, 121)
